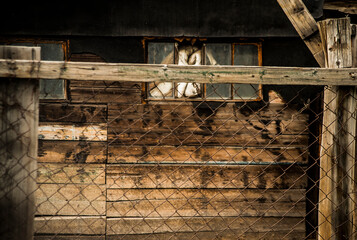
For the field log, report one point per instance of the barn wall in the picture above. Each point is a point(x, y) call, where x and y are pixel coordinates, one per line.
point(99, 153)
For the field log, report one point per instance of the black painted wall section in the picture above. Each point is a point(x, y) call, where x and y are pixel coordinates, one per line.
point(200, 18)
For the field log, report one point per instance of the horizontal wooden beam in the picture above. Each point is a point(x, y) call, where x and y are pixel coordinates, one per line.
point(175, 73)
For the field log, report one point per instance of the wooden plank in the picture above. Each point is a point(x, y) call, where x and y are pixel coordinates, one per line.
point(71, 173)
point(89, 132)
point(335, 218)
point(175, 73)
point(72, 151)
point(305, 25)
point(74, 113)
point(104, 95)
point(18, 148)
point(84, 225)
point(345, 6)
point(167, 203)
point(231, 225)
point(173, 176)
point(70, 199)
point(69, 237)
point(180, 136)
point(230, 234)
point(182, 110)
point(204, 154)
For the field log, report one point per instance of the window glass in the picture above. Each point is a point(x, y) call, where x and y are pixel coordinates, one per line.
point(49, 88)
point(161, 53)
point(246, 55)
point(218, 54)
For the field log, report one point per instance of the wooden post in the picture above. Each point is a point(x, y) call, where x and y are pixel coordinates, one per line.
point(18, 148)
point(335, 216)
point(305, 25)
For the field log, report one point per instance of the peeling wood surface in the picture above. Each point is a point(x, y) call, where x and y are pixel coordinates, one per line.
point(89, 132)
point(171, 176)
point(72, 151)
point(200, 74)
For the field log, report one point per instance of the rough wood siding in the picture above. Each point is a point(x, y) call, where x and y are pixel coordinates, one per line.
point(169, 170)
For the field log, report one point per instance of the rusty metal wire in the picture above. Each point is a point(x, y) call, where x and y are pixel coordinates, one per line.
point(115, 164)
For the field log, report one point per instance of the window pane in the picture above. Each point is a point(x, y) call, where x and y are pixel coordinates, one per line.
point(218, 91)
point(51, 88)
point(246, 91)
point(218, 54)
point(246, 55)
point(161, 53)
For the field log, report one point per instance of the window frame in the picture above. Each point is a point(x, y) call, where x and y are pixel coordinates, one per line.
point(36, 41)
point(204, 41)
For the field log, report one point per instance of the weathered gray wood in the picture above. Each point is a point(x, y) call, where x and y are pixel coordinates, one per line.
point(305, 25)
point(165, 73)
point(338, 153)
point(345, 6)
point(18, 148)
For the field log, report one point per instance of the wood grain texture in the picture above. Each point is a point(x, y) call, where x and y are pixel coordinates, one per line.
point(69, 237)
point(204, 111)
point(74, 113)
point(170, 176)
point(180, 136)
point(335, 216)
point(305, 25)
point(225, 125)
point(204, 154)
point(71, 173)
point(84, 225)
point(89, 132)
point(168, 203)
point(175, 73)
point(70, 199)
point(72, 151)
point(345, 6)
point(18, 148)
point(191, 226)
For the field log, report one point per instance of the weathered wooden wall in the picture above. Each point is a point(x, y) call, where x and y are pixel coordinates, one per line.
point(111, 165)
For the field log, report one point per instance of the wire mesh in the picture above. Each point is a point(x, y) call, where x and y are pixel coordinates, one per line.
point(114, 164)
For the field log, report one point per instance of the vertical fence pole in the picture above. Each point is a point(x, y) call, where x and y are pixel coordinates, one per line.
point(335, 215)
point(18, 148)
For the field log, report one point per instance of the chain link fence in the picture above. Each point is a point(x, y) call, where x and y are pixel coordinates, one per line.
point(114, 163)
